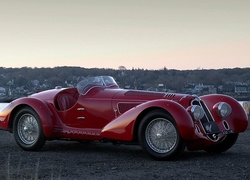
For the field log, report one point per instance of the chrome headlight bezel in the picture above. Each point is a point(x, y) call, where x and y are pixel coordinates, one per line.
point(197, 112)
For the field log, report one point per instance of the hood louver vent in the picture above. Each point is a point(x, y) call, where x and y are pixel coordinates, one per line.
point(169, 95)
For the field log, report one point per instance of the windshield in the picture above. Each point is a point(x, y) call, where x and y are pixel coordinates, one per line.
point(84, 85)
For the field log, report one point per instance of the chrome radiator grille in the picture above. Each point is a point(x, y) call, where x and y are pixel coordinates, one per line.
point(208, 123)
point(208, 117)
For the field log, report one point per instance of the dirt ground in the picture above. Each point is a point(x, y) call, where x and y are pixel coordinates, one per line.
point(74, 160)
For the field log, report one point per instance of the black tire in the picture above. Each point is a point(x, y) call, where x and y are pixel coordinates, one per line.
point(224, 145)
point(27, 130)
point(159, 136)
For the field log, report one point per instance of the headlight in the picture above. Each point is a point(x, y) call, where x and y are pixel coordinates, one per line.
point(224, 109)
point(197, 112)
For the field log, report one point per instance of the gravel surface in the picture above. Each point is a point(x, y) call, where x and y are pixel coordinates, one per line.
point(75, 160)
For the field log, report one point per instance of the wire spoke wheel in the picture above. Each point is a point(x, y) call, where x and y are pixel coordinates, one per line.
point(161, 135)
point(27, 129)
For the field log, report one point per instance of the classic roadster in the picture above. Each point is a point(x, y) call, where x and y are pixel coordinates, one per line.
point(163, 124)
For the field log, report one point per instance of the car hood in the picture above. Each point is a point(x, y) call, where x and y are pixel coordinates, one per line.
point(137, 95)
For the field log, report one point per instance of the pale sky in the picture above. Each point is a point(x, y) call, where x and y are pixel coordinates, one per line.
point(148, 34)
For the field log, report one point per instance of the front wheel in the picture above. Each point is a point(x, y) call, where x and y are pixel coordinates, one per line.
point(224, 145)
point(159, 136)
point(27, 130)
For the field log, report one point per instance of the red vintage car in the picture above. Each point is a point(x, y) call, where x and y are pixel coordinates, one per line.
point(164, 124)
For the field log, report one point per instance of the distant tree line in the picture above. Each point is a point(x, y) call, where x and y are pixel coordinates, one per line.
point(46, 78)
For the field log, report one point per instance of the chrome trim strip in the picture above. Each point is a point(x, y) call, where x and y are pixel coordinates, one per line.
point(80, 118)
point(80, 109)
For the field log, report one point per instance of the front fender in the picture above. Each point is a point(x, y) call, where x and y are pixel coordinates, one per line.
point(122, 128)
point(237, 120)
point(42, 109)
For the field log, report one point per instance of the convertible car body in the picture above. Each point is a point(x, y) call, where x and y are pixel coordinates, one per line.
point(98, 110)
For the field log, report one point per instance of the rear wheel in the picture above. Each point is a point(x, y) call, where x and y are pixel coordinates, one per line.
point(224, 145)
point(27, 130)
point(159, 136)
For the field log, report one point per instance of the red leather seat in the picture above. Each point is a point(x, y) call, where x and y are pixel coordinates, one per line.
point(65, 101)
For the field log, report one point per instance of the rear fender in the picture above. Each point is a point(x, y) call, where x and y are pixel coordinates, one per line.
point(122, 128)
point(44, 112)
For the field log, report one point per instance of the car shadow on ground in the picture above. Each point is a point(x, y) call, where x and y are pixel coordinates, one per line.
point(134, 151)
